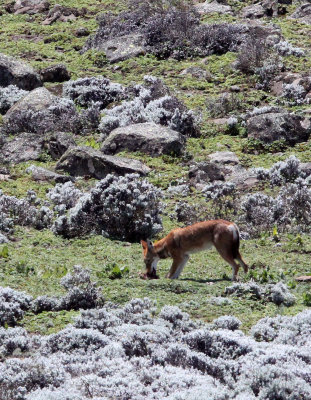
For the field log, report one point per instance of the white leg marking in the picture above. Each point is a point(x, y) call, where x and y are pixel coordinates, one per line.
point(154, 264)
point(180, 267)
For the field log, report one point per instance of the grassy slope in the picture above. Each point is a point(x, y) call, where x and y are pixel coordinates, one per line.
point(37, 260)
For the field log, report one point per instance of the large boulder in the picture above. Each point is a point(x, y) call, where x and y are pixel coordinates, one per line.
point(40, 112)
point(18, 73)
point(29, 146)
point(303, 13)
point(271, 126)
point(224, 158)
point(57, 143)
point(23, 147)
point(253, 11)
point(269, 8)
point(123, 47)
point(85, 161)
point(212, 8)
point(148, 138)
point(55, 73)
point(42, 174)
point(204, 172)
point(31, 6)
point(63, 14)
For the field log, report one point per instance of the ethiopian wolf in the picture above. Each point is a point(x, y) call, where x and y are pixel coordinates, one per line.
point(181, 242)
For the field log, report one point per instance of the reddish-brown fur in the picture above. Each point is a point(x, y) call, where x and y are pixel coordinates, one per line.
point(181, 242)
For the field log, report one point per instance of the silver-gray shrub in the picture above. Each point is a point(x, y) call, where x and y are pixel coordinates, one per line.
point(9, 96)
point(6, 223)
point(98, 359)
point(100, 90)
point(23, 212)
point(124, 207)
point(285, 48)
point(279, 294)
point(276, 293)
point(223, 196)
point(79, 340)
point(64, 193)
point(281, 329)
point(152, 103)
point(13, 305)
point(285, 171)
point(18, 377)
point(82, 293)
point(251, 289)
point(168, 29)
point(294, 94)
point(13, 340)
point(294, 205)
point(258, 213)
point(227, 322)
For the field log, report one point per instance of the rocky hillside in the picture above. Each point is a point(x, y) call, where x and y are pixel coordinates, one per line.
point(120, 121)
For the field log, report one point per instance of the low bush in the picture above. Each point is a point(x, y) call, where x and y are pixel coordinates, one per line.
point(223, 196)
point(124, 207)
point(168, 29)
point(86, 91)
point(64, 194)
point(13, 305)
point(82, 293)
point(127, 353)
point(22, 212)
point(277, 293)
point(151, 103)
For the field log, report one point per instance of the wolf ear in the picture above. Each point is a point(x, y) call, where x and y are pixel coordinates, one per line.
point(149, 244)
point(144, 244)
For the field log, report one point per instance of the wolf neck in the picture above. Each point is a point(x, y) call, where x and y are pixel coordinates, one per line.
point(161, 250)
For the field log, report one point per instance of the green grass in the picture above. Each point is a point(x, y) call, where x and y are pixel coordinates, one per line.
point(37, 261)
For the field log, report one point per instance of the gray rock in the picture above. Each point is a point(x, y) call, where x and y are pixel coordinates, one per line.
point(85, 161)
point(28, 146)
point(31, 6)
point(213, 7)
point(270, 127)
point(204, 172)
point(244, 179)
point(55, 73)
point(63, 14)
point(41, 112)
point(23, 147)
point(303, 13)
point(36, 100)
point(15, 72)
point(57, 143)
point(148, 138)
point(253, 11)
point(306, 168)
point(122, 48)
point(42, 174)
point(197, 72)
point(270, 34)
point(82, 31)
point(224, 158)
